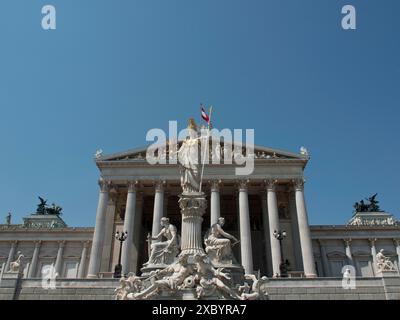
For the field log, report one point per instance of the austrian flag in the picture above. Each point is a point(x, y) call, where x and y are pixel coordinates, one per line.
point(204, 115)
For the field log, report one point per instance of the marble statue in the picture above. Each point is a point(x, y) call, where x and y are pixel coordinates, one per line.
point(211, 280)
point(98, 154)
point(255, 292)
point(17, 264)
point(218, 243)
point(304, 151)
point(8, 218)
point(132, 283)
point(173, 279)
point(189, 158)
point(164, 252)
point(383, 263)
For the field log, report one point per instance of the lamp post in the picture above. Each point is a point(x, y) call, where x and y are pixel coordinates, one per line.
point(121, 238)
point(280, 235)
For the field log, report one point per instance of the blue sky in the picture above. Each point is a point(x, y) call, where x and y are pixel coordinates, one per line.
point(114, 69)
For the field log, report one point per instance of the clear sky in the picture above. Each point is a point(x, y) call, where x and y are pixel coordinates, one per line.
point(113, 69)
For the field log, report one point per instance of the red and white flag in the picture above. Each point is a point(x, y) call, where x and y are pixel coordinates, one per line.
point(204, 115)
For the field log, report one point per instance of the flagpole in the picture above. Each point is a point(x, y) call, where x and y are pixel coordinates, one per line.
point(205, 150)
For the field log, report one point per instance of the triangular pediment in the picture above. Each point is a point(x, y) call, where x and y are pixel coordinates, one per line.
point(260, 153)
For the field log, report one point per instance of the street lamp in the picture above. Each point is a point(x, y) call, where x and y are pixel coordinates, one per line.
point(121, 238)
point(280, 235)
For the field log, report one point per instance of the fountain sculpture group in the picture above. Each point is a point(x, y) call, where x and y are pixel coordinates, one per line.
point(179, 267)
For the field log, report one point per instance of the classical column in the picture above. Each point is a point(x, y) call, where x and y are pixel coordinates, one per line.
point(158, 208)
point(373, 253)
point(108, 236)
point(348, 251)
point(215, 201)
point(97, 245)
point(165, 209)
point(266, 233)
point(295, 230)
point(59, 259)
point(137, 232)
point(304, 230)
point(273, 226)
point(192, 208)
point(129, 223)
point(324, 259)
point(11, 255)
point(82, 263)
point(245, 229)
point(34, 261)
point(397, 245)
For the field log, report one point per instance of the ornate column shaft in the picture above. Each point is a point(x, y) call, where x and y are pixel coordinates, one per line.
point(324, 259)
point(129, 222)
point(245, 229)
point(82, 263)
point(215, 202)
point(192, 207)
point(158, 208)
point(59, 259)
point(34, 261)
point(11, 255)
point(264, 206)
point(137, 231)
point(373, 253)
point(273, 217)
point(295, 231)
point(108, 236)
point(98, 236)
point(304, 230)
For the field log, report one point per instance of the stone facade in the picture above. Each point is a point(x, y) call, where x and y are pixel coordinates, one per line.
point(134, 196)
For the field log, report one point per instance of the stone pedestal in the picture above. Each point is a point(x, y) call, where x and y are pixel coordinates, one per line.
point(193, 206)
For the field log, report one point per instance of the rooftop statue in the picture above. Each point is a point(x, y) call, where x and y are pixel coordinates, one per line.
point(43, 209)
point(371, 207)
point(8, 218)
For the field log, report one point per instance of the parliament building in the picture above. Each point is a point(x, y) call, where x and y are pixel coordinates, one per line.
point(266, 211)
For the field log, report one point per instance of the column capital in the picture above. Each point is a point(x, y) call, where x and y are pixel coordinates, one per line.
point(347, 242)
point(86, 244)
point(243, 184)
point(396, 242)
point(263, 195)
point(104, 185)
point(61, 244)
point(298, 184)
point(160, 185)
point(215, 184)
point(270, 184)
point(321, 242)
point(14, 243)
point(132, 185)
point(38, 243)
point(372, 241)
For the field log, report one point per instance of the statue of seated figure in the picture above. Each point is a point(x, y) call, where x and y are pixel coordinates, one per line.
point(383, 262)
point(218, 244)
point(164, 252)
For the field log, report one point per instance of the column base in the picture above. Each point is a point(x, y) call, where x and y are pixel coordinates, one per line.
point(311, 275)
point(92, 276)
